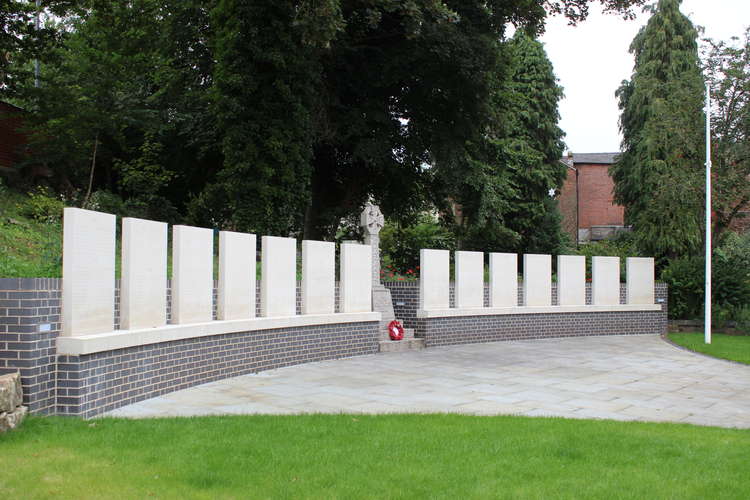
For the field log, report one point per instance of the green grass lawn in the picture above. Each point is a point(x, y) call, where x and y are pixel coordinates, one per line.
point(387, 456)
point(733, 347)
point(29, 248)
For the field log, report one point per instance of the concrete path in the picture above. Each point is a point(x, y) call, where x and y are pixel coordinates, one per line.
point(621, 378)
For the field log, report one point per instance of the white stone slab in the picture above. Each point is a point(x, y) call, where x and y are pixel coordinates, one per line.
point(571, 280)
point(192, 274)
point(640, 279)
point(537, 280)
point(88, 298)
point(469, 279)
point(318, 277)
point(356, 278)
point(143, 293)
point(434, 279)
point(503, 280)
point(236, 291)
point(605, 281)
point(278, 287)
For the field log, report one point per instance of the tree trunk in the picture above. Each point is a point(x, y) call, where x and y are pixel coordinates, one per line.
point(91, 175)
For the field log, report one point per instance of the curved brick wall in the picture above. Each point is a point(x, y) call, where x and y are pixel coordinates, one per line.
point(88, 385)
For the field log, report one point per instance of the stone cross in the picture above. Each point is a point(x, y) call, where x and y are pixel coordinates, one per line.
point(372, 221)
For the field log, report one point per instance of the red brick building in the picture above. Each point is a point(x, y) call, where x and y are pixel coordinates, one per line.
point(11, 140)
point(587, 199)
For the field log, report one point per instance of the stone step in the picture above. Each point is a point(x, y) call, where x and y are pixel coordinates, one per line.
point(401, 345)
point(384, 335)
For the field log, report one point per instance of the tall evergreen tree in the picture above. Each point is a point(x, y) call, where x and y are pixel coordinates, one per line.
point(658, 176)
point(504, 183)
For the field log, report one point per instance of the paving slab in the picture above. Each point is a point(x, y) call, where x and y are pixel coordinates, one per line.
point(616, 377)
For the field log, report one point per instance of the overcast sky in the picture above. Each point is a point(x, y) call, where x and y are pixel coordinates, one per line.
point(591, 60)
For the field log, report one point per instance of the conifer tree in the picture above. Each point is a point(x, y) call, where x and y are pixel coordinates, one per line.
point(505, 181)
point(658, 176)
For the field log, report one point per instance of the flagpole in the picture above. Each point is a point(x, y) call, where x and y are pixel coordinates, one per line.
point(707, 315)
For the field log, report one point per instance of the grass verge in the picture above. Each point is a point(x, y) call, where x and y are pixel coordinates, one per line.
point(29, 247)
point(731, 347)
point(366, 456)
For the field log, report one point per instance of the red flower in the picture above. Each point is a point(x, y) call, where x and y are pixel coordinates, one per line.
point(400, 278)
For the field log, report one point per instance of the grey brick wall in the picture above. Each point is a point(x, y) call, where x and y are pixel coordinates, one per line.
point(405, 295)
point(29, 325)
point(474, 329)
point(88, 385)
point(92, 384)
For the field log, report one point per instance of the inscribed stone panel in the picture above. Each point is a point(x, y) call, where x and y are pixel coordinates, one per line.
point(88, 304)
point(192, 274)
point(537, 280)
point(143, 297)
point(318, 277)
point(236, 292)
point(503, 280)
point(469, 279)
point(605, 281)
point(278, 291)
point(640, 279)
point(356, 281)
point(571, 280)
point(434, 279)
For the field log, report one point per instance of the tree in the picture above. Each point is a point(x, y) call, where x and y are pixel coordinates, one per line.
point(728, 68)
point(278, 117)
point(381, 89)
point(504, 183)
point(658, 176)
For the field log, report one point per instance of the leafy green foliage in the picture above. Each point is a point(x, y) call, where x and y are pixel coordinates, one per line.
point(400, 244)
point(728, 69)
point(30, 234)
point(622, 245)
point(283, 116)
point(730, 280)
point(500, 187)
point(44, 206)
point(658, 176)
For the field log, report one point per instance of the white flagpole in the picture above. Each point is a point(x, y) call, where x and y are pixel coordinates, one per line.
point(707, 315)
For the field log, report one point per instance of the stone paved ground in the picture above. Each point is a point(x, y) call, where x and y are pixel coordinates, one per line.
point(621, 378)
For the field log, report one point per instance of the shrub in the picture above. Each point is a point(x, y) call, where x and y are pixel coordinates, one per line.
point(622, 245)
point(730, 280)
point(44, 206)
point(400, 245)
